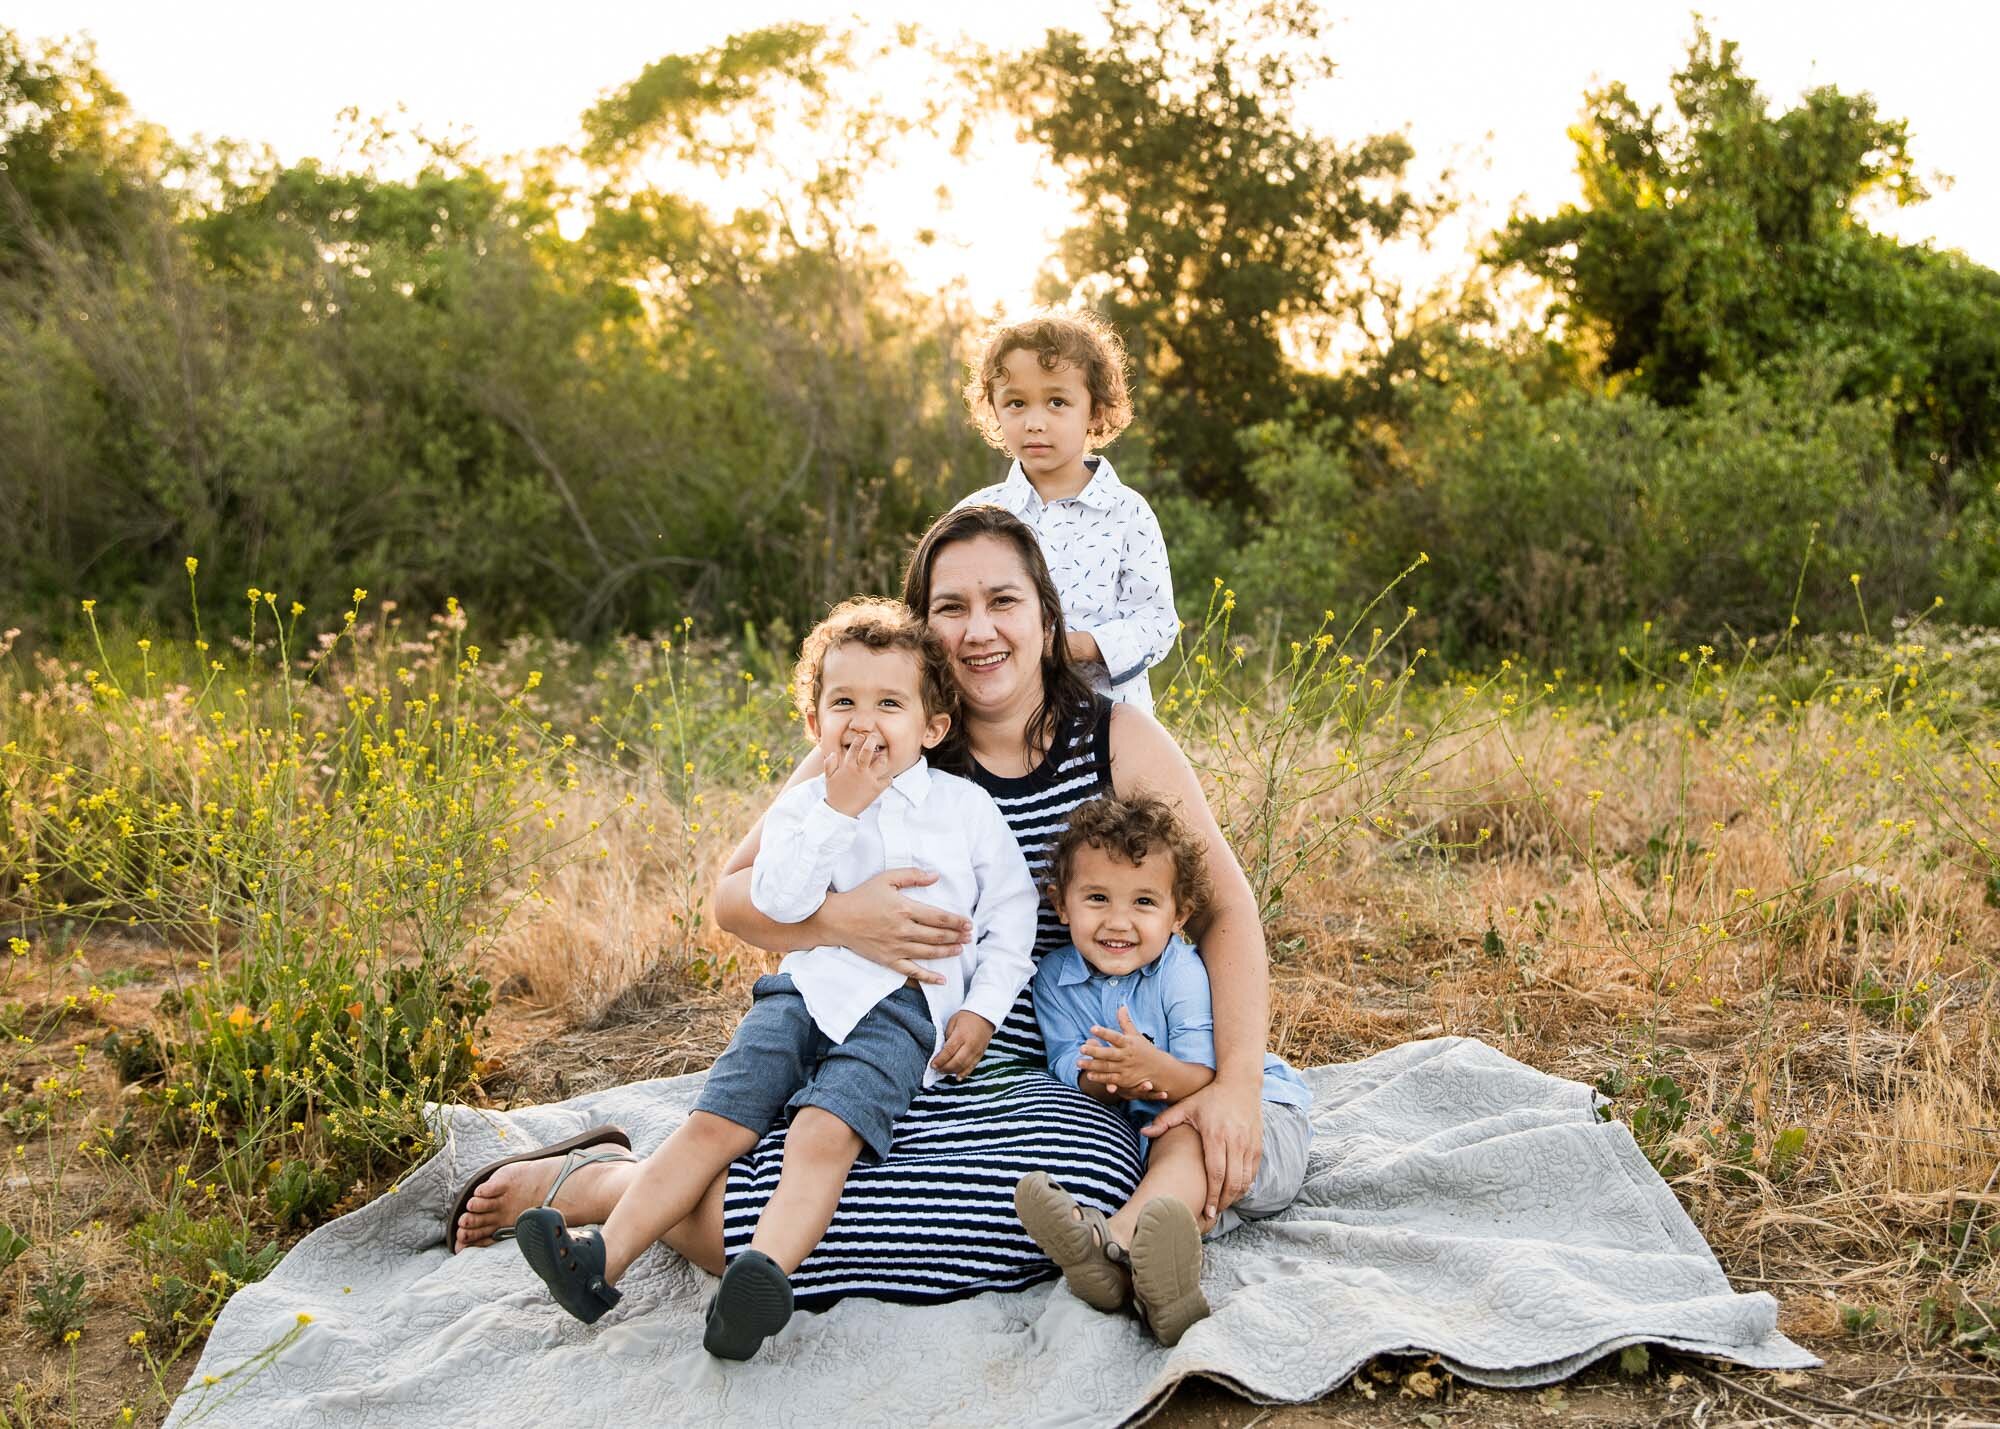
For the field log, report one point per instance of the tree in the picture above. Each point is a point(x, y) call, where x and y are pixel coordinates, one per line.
point(1213, 225)
point(1709, 246)
point(846, 375)
point(73, 163)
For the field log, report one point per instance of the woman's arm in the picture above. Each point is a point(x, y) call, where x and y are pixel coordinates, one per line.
point(875, 920)
point(1228, 1112)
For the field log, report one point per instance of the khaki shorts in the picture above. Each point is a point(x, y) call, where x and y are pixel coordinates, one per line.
point(1288, 1139)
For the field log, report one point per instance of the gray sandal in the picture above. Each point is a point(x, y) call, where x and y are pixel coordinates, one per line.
point(615, 1146)
point(752, 1304)
point(572, 1266)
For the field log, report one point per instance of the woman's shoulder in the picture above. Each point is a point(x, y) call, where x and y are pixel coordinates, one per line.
point(1139, 742)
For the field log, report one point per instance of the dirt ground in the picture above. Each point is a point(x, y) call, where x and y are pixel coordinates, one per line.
point(1854, 1388)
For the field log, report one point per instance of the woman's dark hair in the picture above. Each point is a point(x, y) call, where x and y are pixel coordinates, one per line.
point(1064, 690)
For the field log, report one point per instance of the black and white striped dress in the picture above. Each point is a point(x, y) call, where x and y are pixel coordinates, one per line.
point(935, 1219)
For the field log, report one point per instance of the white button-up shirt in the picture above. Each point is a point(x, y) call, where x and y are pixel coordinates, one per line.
point(924, 819)
point(1104, 548)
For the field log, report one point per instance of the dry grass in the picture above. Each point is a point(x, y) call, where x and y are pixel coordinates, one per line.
point(1648, 899)
point(1593, 972)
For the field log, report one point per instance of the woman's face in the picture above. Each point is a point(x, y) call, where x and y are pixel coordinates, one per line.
point(984, 607)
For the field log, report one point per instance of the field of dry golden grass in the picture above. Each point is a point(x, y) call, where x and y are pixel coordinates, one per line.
point(1864, 1027)
point(1752, 902)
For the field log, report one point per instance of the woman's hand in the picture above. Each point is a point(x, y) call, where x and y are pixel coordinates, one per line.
point(877, 921)
point(1230, 1118)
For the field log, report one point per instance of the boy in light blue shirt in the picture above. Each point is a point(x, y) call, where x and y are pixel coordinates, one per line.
point(1127, 1018)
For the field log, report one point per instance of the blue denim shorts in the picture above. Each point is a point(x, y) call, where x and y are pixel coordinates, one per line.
point(779, 1061)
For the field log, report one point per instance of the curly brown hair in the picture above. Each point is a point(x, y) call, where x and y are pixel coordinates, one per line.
point(881, 624)
point(1081, 338)
point(1131, 829)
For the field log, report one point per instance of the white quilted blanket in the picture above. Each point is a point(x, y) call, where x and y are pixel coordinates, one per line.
point(1458, 1203)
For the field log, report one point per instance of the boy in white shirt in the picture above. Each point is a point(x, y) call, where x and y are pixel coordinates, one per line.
point(1049, 391)
point(839, 1044)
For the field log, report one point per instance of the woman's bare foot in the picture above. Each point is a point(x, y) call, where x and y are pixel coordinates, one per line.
point(587, 1196)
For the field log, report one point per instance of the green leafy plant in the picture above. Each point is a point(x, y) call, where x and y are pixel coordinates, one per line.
point(1970, 1326)
point(244, 1266)
point(301, 1194)
point(12, 1245)
point(1661, 1112)
point(1733, 1148)
point(136, 1053)
point(61, 1304)
point(1786, 1149)
point(28, 1115)
point(1904, 1005)
point(190, 1266)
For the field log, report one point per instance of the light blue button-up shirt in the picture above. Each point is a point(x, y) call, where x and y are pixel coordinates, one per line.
point(1169, 1002)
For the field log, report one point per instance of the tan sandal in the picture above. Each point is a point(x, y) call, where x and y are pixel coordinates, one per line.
point(1073, 1236)
point(1166, 1269)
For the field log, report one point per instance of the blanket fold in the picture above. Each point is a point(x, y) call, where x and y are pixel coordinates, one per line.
point(1458, 1203)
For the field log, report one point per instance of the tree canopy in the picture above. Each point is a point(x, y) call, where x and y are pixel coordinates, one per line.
point(1709, 245)
point(1213, 225)
point(74, 163)
point(577, 394)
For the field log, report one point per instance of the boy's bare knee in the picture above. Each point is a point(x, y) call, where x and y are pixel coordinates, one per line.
point(711, 1132)
point(821, 1136)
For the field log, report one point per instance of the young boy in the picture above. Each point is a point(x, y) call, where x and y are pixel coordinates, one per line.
point(1126, 1014)
point(1050, 391)
point(837, 1043)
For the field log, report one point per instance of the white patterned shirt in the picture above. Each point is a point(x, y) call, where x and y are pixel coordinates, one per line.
point(924, 819)
point(1104, 548)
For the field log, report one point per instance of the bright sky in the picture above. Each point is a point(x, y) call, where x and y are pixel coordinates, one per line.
point(1480, 87)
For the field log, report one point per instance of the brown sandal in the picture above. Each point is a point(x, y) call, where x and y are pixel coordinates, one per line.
point(1166, 1269)
point(1073, 1236)
point(605, 1136)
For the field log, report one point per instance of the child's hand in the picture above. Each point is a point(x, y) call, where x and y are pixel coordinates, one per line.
point(1123, 1062)
point(1083, 647)
point(856, 774)
point(965, 1039)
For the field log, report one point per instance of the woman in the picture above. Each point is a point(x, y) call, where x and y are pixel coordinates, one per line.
point(935, 1220)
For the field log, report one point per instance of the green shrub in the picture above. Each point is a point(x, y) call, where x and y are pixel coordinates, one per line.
point(189, 1266)
point(61, 1304)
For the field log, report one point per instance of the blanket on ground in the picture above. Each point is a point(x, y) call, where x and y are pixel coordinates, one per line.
point(1457, 1202)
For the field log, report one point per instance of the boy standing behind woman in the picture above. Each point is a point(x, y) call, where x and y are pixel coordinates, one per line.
point(1049, 391)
